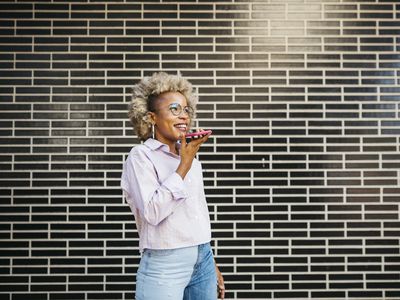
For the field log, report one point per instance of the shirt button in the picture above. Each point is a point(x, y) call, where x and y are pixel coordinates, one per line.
point(189, 180)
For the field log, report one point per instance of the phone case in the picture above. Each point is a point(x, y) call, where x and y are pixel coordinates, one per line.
point(198, 133)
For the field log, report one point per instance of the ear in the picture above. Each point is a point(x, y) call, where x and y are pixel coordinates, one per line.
point(152, 117)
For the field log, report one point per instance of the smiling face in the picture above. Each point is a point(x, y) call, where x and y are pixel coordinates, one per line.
point(168, 126)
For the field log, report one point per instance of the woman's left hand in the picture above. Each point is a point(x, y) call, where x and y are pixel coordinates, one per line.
point(221, 284)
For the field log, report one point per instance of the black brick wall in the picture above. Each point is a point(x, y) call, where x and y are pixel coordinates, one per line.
point(302, 172)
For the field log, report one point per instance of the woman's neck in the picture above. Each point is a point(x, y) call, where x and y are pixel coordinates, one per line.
point(171, 144)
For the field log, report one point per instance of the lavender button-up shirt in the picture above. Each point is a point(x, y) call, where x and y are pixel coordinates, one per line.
point(169, 212)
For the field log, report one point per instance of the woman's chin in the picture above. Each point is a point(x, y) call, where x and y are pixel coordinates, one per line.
point(178, 135)
point(174, 137)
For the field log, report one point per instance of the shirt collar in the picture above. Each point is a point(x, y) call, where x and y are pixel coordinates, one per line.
point(156, 144)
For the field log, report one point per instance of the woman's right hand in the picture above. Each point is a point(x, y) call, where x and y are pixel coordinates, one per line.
point(188, 152)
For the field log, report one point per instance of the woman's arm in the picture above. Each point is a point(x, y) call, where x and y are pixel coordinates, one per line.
point(153, 199)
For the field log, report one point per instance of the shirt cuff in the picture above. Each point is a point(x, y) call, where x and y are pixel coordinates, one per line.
point(175, 185)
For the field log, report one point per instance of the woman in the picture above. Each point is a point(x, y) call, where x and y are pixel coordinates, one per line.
point(163, 184)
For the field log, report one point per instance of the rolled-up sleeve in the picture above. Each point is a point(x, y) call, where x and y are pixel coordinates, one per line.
point(174, 184)
point(154, 200)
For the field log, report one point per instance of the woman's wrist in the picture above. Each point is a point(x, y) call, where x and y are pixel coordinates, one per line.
point(183, 169)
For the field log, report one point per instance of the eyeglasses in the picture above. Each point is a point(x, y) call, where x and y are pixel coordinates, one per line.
point(176, 109)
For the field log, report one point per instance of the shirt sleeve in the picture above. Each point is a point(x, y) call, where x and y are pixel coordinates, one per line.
point(154, 200)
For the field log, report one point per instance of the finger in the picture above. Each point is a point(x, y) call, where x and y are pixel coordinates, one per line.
point(196, 137)
point(201, 129)
point(204, 138)
point(222, 292)
point(199, 141)
point(183, 140)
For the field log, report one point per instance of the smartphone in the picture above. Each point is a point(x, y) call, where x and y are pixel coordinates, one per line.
point(199, 133)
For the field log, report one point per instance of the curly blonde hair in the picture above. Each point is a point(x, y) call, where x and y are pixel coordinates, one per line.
point(145, 92)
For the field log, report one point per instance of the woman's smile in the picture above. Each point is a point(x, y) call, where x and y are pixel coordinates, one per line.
point(182, 127)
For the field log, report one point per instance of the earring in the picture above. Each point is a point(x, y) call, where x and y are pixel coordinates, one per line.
point(153, 131)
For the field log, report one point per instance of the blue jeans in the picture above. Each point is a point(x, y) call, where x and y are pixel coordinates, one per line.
point(176, 274)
